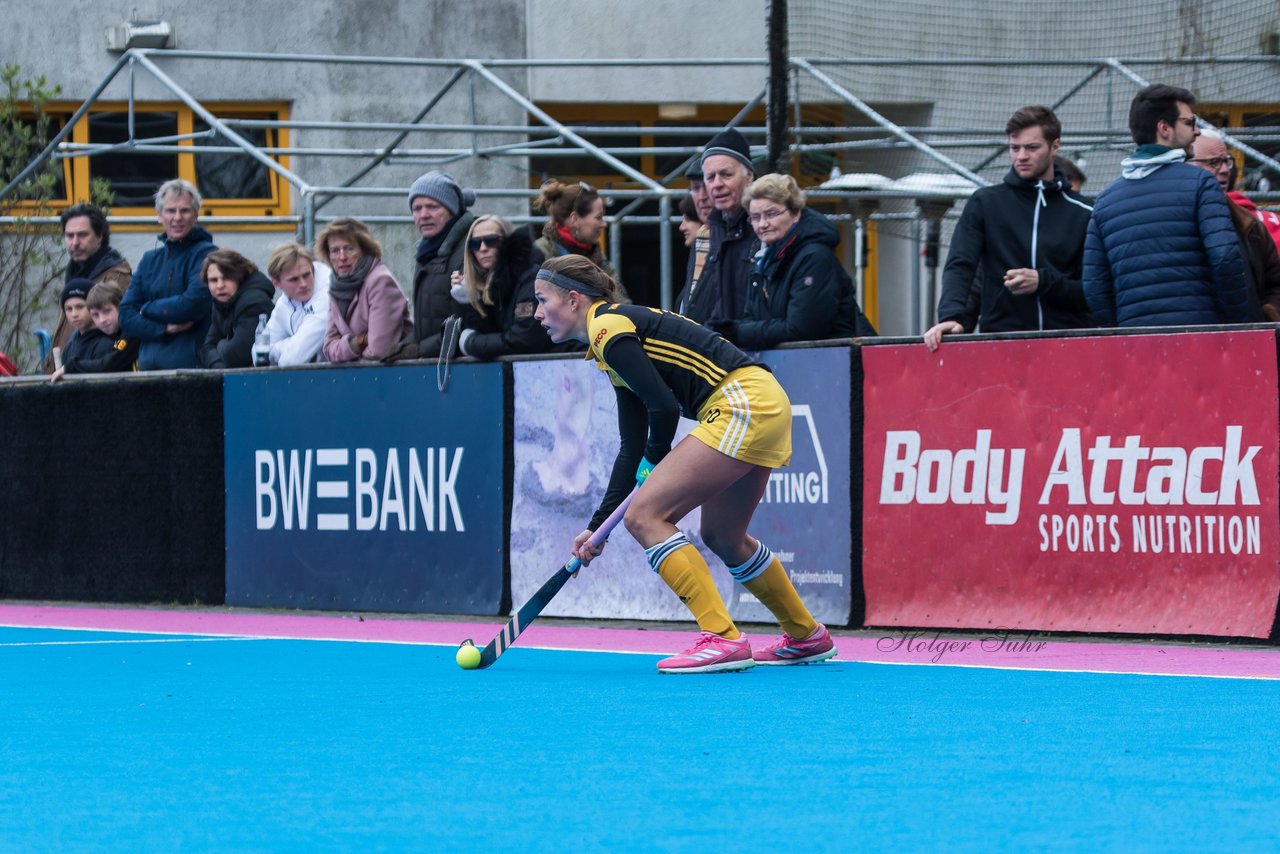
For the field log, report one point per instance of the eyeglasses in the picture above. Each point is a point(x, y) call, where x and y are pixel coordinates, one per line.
point(344, 251)
point(765, 216)
point(490, 240)
point(1214, 163)
point(1189, 121)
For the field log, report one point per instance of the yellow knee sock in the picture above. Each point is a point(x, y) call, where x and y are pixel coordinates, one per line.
point(686, 573)
point(774, 590)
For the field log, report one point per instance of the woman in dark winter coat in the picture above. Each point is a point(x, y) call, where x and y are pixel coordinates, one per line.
point(799, 291)
point(497, 283)
point(241, 294)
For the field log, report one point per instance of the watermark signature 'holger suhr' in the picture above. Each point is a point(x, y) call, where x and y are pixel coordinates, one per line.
point(936, 646)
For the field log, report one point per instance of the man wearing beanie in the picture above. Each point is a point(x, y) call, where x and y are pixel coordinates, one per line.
point(87, 236)
point(439, 208)
point(718, 294)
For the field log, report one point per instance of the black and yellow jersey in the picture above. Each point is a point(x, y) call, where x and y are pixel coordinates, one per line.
point(691, 359)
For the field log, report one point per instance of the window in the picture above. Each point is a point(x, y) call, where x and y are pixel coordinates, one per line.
point(232, 184)
point(133, 177)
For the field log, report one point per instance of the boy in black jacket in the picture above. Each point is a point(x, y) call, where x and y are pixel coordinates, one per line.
point(100, 349)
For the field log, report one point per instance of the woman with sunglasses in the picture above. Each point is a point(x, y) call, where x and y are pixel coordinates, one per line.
point(497, 283)
point(798, 291)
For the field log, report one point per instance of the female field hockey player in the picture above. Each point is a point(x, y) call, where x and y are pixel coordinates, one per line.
point(662, 364)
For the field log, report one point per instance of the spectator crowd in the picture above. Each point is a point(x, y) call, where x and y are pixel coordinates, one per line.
point(1168, 243)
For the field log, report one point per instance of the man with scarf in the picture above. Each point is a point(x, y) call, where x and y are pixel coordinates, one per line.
point(87, 236)
point(1161, 249)
point(439, 208)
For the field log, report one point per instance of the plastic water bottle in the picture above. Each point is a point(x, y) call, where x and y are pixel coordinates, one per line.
point(261, 344)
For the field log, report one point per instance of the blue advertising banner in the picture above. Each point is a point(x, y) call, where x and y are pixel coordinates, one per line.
point(566, 437)
point(365, 489)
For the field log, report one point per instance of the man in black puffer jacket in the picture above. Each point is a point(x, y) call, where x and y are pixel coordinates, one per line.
point(1025, 236)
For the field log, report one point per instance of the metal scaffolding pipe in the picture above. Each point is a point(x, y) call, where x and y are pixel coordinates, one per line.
point(214, 122)
point(864, 108)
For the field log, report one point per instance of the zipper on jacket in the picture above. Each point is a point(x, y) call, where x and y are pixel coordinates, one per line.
point(1035, 239)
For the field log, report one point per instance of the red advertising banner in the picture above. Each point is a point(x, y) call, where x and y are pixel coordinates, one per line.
point(1110, 484)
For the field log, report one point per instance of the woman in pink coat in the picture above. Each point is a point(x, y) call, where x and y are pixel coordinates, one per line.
point(369, 315)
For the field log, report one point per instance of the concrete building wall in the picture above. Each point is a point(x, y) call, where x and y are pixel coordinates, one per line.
point(647, 29)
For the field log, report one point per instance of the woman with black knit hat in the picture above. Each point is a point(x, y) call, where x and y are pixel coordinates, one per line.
point(439, 207)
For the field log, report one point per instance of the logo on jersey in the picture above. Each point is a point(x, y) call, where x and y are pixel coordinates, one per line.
point(712, 416)
point(600, 337)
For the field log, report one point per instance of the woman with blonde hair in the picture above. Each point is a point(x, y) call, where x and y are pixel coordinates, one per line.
point(497, 282)
point(798, 290)
point(368, 314)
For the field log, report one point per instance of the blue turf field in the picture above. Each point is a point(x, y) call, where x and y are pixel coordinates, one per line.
point(147, 742)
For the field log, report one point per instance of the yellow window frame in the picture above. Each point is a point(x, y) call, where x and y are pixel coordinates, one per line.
point(77, 171)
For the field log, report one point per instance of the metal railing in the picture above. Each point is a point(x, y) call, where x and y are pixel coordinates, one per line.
point(547, 137)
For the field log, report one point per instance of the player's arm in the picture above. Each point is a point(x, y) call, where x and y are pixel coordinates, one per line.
point(648, 415)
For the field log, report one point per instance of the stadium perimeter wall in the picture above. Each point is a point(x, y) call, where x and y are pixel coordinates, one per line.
point(1092, 483)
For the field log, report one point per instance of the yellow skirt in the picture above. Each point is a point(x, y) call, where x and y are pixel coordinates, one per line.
point(748, 417)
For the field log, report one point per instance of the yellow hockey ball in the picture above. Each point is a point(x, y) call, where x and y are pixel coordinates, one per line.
point(468, 656)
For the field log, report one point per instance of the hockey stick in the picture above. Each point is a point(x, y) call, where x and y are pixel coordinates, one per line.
point(530, 610)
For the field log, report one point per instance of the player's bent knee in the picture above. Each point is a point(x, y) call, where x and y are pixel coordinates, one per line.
point(638, 521)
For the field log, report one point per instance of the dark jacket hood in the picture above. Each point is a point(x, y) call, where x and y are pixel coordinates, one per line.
point(194, 236)
point(1058, 183)
point(95, 265)
point(256, 284)
point(515, 256)
point(809, 228)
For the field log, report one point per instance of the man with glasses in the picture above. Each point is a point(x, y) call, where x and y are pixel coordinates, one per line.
point(167, 306)
point(1015, 257)
point(1262, 261)
point(1161, 248)
point(1210, 152)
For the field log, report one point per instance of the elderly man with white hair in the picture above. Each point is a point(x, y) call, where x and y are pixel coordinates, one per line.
point(167, 306)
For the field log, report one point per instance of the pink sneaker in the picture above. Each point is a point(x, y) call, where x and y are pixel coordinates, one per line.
point(710, 654)
point(816, 647)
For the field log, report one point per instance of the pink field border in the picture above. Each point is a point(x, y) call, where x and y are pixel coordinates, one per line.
point(1015, 651)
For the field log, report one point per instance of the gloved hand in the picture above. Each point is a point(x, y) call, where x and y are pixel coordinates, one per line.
point(727, 329)
point(643, 470)
point(429, 347)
